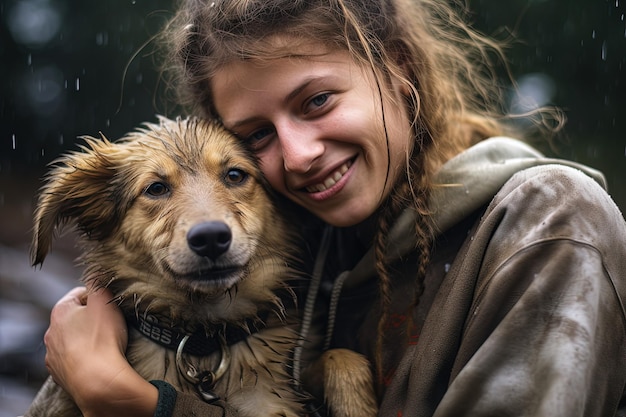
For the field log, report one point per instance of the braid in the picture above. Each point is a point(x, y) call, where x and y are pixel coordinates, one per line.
point(420, 193)
point(392, 208)
point(413, 192)
point(384, 289)
point(424, 233)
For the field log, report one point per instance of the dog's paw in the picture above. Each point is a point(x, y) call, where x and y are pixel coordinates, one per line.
point(348, 383)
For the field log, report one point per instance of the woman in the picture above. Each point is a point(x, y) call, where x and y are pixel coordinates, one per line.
point(479, 277)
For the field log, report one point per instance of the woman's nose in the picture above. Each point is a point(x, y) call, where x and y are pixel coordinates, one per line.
point(300, 146)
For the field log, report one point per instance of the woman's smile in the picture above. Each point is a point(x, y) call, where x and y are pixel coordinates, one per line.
point(332, 179)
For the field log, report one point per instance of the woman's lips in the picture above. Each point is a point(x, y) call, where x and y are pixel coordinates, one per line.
point(331, 180)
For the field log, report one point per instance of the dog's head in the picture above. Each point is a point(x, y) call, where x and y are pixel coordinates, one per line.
point(173, 212)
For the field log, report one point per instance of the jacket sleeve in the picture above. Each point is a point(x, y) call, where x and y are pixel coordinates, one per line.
point(188, 405)
point(545, 331)
point(179, 404)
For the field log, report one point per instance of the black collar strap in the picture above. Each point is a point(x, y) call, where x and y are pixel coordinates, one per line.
point(200, 343)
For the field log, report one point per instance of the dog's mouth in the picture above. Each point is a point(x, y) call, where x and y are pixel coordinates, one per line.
point(214, 274)
point(216, 277)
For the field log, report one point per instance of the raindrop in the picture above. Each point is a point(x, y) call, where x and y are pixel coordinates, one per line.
point(593, 34)
point(77, 84)
point(102, 38)
point(29, 60)
point(446, 267)
point(61, 139)
point(604, 51)
point(13, 141)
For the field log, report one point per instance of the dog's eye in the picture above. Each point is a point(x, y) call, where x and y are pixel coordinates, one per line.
point(235, 176)
point(157, 189)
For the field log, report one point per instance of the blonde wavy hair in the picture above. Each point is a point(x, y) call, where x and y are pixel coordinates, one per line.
point(449, 68)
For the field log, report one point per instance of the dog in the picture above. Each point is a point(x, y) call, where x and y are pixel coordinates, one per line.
point(177, 221)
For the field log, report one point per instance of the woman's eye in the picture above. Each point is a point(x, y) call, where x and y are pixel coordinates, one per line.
point(157, 189)
point(316, 102)
point(257, 136)
point(235, 176)
point(319, 100)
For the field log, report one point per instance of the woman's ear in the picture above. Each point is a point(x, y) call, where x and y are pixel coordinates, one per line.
point(404, 87)
point(403, 75)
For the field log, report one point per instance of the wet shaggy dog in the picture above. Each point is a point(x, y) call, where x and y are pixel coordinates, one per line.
point(175, 220)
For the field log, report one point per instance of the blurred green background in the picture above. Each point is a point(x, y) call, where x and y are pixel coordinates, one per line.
point(75, 68)
point(70, 68)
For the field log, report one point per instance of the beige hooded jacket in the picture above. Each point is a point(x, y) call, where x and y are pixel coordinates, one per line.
point(529, 318)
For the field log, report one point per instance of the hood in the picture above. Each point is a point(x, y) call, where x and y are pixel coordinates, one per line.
point(473, 177)
point(464, 184)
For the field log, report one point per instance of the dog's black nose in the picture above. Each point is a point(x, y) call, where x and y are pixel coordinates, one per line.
point(210, 239)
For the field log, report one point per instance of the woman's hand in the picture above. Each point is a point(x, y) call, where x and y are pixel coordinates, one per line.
point(85, 347)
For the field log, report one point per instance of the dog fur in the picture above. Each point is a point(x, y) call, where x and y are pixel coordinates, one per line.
point(177, 221)
point(138, 203)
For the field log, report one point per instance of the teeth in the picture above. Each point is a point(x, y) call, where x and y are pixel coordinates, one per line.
point(330, 181)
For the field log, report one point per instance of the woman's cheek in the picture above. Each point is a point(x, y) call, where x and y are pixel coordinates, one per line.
point(271, 168)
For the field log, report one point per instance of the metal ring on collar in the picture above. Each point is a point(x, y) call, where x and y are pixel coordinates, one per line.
point(191, 374)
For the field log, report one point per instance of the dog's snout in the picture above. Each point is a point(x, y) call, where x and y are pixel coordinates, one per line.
point(210, 239)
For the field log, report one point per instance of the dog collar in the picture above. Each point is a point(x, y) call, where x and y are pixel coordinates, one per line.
point(199, 343)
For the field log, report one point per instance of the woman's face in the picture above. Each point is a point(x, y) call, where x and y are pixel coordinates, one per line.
point(316, 124)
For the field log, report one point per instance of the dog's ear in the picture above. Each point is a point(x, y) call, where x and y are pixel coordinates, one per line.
point(78, 189)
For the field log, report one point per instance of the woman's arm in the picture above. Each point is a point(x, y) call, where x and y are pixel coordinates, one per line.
point(85, 347)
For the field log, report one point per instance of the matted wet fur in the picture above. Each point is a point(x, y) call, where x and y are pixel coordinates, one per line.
point(176, 222)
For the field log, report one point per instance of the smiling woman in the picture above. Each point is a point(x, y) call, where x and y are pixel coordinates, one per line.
point(86, 70)
point(448, 269)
